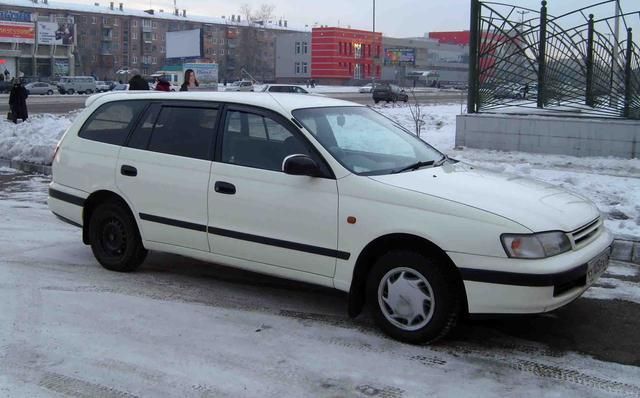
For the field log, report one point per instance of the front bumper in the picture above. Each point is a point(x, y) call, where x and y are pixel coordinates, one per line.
point(511, 286)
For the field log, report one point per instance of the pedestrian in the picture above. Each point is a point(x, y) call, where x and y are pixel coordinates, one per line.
point(225, 82)
point(6, 74)
point(162, 85)
point(138, 83)
point(308, 83)
point(18, 102)
point(525, 90)
point(190, 80)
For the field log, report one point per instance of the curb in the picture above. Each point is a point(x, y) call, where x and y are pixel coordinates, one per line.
point(625, 249)
point(26, 167)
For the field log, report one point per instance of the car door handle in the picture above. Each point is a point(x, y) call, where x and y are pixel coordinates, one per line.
point(225, 188)
point(128, 171)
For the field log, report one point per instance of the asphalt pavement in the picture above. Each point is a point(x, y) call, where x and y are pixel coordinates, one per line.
point(66, 103)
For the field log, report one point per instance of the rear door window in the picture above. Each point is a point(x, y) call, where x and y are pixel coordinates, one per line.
point(112, 122)
point(184, 131)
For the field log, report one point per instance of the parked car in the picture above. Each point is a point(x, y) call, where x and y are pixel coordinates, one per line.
point(40, 88)
point(284, 88)
point(367, 88)
point(389, 93)
point(102, 86)
point(77, 84)
point(327, 192)
point(242, 85)
point(5, 86)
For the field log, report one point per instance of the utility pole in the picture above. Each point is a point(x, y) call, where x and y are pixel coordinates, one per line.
point(522, 14)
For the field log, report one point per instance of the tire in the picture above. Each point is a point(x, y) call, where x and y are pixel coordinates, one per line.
point(376, 101)
point(427, 278)
point(50, 92)
point(71, 91)
point(89, 92)
point(115, 240)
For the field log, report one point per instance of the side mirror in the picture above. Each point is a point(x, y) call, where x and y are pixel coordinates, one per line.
point(300, 165)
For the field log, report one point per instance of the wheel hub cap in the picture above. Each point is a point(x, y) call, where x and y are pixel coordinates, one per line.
point(406, 299)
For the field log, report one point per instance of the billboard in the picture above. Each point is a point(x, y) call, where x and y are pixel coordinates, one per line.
point(184, 44)
point(205, 73)
point(399, 55)
point(17, 32)
point(56, 33)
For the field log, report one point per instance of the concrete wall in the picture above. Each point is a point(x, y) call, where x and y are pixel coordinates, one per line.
point(286, 57)
point(554, 135)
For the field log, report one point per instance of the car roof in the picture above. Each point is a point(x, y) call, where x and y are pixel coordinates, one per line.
point(284, 101)
point(283, 85)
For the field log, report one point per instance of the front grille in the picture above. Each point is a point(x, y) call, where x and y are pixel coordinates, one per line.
point(585, 234)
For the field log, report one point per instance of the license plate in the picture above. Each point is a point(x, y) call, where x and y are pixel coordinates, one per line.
point(596, 267)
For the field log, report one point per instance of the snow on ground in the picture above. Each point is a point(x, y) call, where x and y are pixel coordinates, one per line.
point(181, 328)
point(612, 183)
point(35, 139)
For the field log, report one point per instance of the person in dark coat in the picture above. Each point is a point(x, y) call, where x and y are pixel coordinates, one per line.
point(138, 83)
point(163, 85)
point(18, 102)
point(190, 80)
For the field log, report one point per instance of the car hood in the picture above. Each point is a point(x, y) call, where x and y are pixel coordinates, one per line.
point(535, 205)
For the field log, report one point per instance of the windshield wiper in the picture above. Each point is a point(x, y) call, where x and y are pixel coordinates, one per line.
point(415, 166)
point(441, 161)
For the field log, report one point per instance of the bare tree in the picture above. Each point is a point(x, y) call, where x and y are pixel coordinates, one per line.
point(417, 113)
point(246, 11)
point(264, 13)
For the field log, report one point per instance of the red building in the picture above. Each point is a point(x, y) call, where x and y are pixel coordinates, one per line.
point(339, 55)
point(461, 38)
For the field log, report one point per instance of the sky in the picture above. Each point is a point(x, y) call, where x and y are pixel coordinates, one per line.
point(396, 18)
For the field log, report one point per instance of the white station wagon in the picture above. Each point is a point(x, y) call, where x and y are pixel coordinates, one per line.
point(327, 192)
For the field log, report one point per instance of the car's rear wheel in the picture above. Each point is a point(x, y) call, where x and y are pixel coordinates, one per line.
point(115, 240)
point(412, 297)
point(89, 92)
point(71, 91)
point(50, 92)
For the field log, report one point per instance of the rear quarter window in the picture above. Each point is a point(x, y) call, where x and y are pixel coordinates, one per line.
point(112, 122)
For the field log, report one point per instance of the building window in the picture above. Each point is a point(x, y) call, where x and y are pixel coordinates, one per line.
point(154, 37)
point(105, 21)
point(369, 49)
point(297, 47)
point(94, 20)
point(213, 52)
point(146, 23)
point(297, 68)
point(115, 21)
point(134, 23)
point(134, 35)
point(222, 51)
point(154, 60)
point(305, 67)
point(134, 60)
point(154, 24)
point(215, 40)
point(305, 48)
point(93, 58)
point(162, 49)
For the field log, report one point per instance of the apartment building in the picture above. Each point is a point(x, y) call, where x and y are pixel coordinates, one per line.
point(110, 37)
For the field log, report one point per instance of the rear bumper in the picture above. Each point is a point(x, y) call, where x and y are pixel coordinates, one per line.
point(510, 286)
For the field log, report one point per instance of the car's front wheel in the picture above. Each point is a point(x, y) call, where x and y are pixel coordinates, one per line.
point(50, 92)
point(412, 298)
point(115, 240)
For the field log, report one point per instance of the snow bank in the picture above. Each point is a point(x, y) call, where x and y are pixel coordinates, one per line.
point(34, 140)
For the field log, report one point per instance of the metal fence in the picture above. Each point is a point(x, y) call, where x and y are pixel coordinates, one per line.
point(581, 62)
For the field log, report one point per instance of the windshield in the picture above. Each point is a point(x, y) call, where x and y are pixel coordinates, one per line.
point(365, 142)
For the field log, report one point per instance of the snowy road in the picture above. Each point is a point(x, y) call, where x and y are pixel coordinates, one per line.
point(182, 328)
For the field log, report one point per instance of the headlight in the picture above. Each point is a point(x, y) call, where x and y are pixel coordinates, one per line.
point(545, 244)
